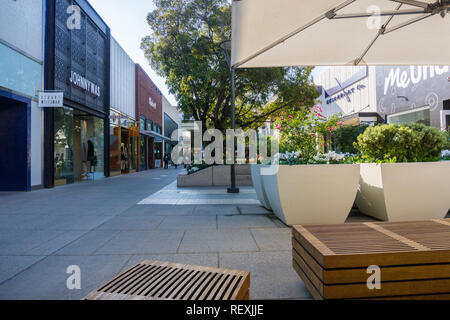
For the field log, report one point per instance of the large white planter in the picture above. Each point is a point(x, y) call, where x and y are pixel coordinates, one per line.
point(258, 185)
point(312, 194)
point(405, 191)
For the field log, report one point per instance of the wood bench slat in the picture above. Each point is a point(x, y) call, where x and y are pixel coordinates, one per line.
point(153, 280)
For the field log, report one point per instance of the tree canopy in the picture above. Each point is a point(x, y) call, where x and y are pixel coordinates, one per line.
point(184, 49)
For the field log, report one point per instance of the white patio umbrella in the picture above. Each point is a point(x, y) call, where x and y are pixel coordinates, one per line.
point(271, 33)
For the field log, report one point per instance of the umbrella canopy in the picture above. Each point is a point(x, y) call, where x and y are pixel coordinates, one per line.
point(273, 33)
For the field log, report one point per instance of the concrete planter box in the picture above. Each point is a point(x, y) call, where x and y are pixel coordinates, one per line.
point(405, 191)
point(312, 194)
point(218, 176)
point(258, 185)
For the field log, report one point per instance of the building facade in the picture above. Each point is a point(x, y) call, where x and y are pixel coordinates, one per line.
point(77, 62)
point(415, 94)
point(370, 95)
point(171, 122)
point(21, 69)
point(149, 107)
point(123, 141)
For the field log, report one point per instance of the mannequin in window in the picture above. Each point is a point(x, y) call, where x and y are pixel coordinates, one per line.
point(90, 154)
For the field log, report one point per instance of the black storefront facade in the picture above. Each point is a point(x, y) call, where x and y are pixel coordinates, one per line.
point(77, 61)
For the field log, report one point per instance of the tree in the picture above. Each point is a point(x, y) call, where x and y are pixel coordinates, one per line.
point(184, 48)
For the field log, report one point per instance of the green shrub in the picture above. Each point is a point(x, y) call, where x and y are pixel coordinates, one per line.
point(401, 143)
point(345, 137)
point(447, 145)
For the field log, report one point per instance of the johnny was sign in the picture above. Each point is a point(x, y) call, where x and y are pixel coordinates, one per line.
point(415, 75)
point(83, 83)
point(51, 99)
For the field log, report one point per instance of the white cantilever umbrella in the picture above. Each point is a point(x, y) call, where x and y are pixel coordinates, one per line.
point(270, 33)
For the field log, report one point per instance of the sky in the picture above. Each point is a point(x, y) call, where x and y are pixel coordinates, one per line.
point(127, 20)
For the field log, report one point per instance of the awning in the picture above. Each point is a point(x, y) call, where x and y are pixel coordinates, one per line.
point(273, 33)
point(158, 137)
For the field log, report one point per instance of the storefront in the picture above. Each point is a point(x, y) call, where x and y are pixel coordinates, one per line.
point(124, 135)
point(149, 111)
point(21, 68)
point(76, 137)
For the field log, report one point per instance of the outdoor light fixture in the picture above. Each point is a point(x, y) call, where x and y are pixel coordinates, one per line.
point(226, 47)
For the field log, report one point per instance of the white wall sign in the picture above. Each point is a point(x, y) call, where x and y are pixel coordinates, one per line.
point(151, 102)
point(51, 99)
point(402, 79)
point(83, 83)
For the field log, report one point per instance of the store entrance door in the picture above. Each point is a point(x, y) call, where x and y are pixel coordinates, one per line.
point(14, 158)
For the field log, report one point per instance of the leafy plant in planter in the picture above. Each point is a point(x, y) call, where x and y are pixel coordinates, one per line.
point(306, 131)
point(402, 177)
point(401, 143)
point(345, 137)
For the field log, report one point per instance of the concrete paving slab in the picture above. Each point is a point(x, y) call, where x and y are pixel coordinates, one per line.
point(253, 209)
point(142, 242)
point(132, 223)
point(273, 239)
point(88, 243)
point(197, 259)
point(245, 222)
point(271, 274)
point(215, 210)
point(55, 244)
point(189, 222)
point(224, 240)
point(18, 242)
point(12, 265)
point(47, 279)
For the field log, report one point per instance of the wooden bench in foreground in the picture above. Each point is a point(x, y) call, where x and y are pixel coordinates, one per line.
point(151, 280)
point(414, 259)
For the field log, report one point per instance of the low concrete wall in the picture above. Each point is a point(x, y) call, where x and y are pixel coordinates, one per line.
point(216, 176)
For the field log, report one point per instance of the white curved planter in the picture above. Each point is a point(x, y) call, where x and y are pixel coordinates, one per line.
point(405, 191)
point(258, 185)
point(312, 194)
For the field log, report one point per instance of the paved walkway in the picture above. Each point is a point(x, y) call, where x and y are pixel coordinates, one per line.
point(102, 228)
point(106, 226)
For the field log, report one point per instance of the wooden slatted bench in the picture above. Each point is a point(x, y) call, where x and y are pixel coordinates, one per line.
point(152, 280)
point(414, 259)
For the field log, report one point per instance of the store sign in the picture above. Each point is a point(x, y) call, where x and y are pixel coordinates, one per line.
point(51, 99)
point(83, 83)
point(346, 94)
point(416, 74)
point(151, 102)
point(342, 85)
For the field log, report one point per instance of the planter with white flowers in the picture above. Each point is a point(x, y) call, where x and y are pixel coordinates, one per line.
point(321, 191)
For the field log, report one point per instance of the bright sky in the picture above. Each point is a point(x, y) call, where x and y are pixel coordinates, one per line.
point(127, 20)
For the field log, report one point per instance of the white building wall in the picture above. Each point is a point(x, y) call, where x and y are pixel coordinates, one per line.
point(123, 81)
point(171, 111)
point(362, 100)
point(22, 32)
point(36, 144)
point(21, 25)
